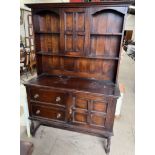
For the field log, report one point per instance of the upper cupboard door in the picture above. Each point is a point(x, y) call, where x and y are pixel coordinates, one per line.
point(74, 31)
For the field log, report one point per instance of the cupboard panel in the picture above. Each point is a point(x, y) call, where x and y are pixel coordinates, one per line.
point(68, 21)
point(74, 31)
point(80, 21)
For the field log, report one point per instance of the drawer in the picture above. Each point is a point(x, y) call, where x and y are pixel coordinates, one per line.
point(48, 95)
point(48, 112)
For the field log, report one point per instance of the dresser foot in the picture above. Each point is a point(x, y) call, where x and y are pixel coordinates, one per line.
point(34, 126)
point(107, 145)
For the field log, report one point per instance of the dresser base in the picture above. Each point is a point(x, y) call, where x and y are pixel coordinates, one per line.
point(35, 124)
point(76, 104)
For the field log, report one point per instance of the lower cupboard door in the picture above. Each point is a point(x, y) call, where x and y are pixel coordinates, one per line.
point(89, 120)
point(93, 111)
point(97, 120)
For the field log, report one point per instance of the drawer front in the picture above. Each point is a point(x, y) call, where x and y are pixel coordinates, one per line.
point(48, 95)
point(48, 112)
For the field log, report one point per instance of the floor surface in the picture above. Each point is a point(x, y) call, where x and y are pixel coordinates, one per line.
point(51, 141)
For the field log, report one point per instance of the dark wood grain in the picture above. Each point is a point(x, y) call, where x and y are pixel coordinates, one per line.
point(78, 54)
point(48, 95)
point(67, 32)
point(71, 84)
point(114, 3)
point(48, 112)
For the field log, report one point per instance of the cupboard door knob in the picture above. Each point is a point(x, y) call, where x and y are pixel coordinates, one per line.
point(71, 114)
point(58, 99)
point(58, 115)
point(38, 112)
point(36, 96)
point(70, 111)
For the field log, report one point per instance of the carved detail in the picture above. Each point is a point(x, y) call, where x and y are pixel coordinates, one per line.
point(114, 9)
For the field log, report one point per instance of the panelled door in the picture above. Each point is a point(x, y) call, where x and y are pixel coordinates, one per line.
point(89, 110)
point(74, 31)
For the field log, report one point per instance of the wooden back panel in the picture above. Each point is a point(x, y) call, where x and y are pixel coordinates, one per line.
point(81, 67)
point(79, 41)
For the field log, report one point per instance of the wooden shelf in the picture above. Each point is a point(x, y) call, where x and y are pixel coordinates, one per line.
point(47, 32)
point(106, 34)
point(77, 33)
point(89, 57)
point(81, 33)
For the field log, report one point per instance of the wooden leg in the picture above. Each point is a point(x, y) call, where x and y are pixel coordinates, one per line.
point(107, 145)
point(34, 127)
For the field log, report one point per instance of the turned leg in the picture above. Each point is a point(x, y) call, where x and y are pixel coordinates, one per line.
point(107, 145)
point(34, 127)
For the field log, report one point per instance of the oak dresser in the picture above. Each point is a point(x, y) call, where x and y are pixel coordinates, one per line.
point(78, 53)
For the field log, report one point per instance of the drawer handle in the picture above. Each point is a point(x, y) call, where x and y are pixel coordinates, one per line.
point(58, 115)
point(36, 96)
point(58, 99)
point(38, 112)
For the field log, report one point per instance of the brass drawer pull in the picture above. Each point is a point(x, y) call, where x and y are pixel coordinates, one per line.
point(38, 112)
point(58, 115)
point(36, 96)
point(58, 99)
